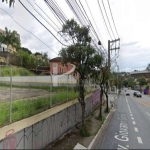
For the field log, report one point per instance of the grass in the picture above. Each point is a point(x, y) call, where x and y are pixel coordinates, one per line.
point(26, 108)
point(16, 71)
point(84, 132)
point(47, 88)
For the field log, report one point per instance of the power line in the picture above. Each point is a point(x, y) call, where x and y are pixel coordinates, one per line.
point(55, 9)
point(112, 18)
point(42, 24)
point(47, 16)
point(108, 19)
point(27, 30)
point(41, 15)
point(92, 17)
point(83, 18)
point(104, 19)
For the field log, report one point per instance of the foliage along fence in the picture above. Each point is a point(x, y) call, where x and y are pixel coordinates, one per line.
point(48, 130)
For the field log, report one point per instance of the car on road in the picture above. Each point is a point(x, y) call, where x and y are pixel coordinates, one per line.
point(138, 94)
point(127, 93)
point(134, 93)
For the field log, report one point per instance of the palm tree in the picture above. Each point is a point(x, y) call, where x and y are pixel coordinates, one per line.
point(10, 2)
point(11, 39)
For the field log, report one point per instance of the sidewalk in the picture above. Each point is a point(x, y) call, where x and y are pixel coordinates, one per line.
point(73, 139)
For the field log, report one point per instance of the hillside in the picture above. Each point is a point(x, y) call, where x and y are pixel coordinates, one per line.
point(16, 71)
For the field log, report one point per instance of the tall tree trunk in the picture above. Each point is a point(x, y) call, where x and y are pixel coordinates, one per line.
point(107, 108)
point(101, 97)
point(81, 100)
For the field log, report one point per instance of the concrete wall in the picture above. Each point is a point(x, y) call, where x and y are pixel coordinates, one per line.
point(40, 130)
point(40, 80)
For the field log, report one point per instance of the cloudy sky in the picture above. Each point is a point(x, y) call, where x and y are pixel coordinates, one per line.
point(132, 20)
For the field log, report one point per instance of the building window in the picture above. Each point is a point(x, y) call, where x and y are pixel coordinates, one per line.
point(54, 65)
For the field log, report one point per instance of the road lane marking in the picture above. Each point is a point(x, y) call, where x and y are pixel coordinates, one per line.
point(136, 129)
point(123, 147)
point(139, 140)
point(133, 122)
point(132, 118)
point(131, 115)
point(148, 113)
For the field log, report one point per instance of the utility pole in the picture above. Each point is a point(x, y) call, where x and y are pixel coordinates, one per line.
point(111, 49)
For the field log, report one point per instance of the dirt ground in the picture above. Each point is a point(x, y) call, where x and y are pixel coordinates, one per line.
point(70, 140)
point(20, 93)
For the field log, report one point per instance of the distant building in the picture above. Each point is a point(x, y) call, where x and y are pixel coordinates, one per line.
point(138, 74)
point(57, 68)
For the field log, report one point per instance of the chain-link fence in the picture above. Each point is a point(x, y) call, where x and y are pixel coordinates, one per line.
point(23, 94)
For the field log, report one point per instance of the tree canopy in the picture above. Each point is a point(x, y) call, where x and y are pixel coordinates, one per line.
point(81, 53)
point(10, 39)
point(148, 67)
point(142, 81)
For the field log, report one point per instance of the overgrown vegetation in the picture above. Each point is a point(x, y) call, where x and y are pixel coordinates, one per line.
point(20, 109)
point(16, 71)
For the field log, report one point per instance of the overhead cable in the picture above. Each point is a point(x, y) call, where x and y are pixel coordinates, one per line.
point(42, 24)
point(28, 31)
point(108, 19)
point(104, 19)
point(112, 18)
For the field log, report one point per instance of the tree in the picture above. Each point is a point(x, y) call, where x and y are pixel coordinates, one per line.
point(10, 2)
point(131, 82)
point(80, 53)
point(101, 76)
point(148, 67)
point(10, 39)
point(142, 81)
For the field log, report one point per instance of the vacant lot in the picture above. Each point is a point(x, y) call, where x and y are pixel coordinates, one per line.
point(21, 93)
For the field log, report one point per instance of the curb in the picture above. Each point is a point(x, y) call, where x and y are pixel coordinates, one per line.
point(91, 144)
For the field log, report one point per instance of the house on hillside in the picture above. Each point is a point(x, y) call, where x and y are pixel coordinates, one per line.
point(57, 68)
point(63, 73)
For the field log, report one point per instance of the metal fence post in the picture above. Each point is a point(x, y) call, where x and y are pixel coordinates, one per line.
point(50, 90)
point(67, 87)
point(10, 94)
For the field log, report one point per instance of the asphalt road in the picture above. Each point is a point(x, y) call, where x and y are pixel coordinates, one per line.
point(129, 127)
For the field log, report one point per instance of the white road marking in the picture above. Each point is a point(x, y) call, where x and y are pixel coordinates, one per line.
point(132, 118)
point(136, 129)
point(148, 113)
point(139, 140)
point(131, 115)
point(133, 122)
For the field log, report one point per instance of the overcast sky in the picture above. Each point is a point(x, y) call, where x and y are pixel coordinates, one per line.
point(132, 19)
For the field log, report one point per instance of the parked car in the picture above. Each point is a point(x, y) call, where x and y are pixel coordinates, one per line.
point(127, 93)
point(138, 94)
